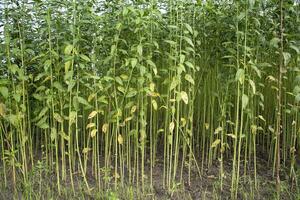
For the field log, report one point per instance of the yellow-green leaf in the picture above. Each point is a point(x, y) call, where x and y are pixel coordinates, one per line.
point(184, 97)
point(171, 127)
point(245, 101)
point(4, 92)
point(240, 75)
point(104, 128)
point(91, 97)
point(170, 139)
point(215, 143)
point(128, 119)
point(152, 86)
point(58, 118)
point(90, 125)
point(68, 49)
point(253, 86)
point(218, 130)
point(2, 109)
point(262, 118)
point(133, 109)
point(53, 134)
point(189, 28)
point(189, 79)
point(92, 114)
point(231, 135)
point(84, 57)
point(154, 104)
point(93, 133)
point(86, 150)
point(120, 139)
point(67, 66)
point(206, 126)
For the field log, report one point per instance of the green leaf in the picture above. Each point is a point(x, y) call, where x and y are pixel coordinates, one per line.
point(120, 139)
point(13, 68)
point(84, 57)
point(274, 42)
point(53, 134)
point(140, 49)
point(43, 112)
point(2, 109)
point(189, 79)
point(13, 119)
point(189, 28)
point(4, 92)
point(189, 64)
point(83, 101)
point(241, 16)
point(92, 114)
point(170, 139)
point(218, 130)
point(119, 80)
point(64, 135)
point(58, 118)
point(170, 42)
point(154, 70)
point(47, 64)
point(173, 27)
point(68, 49)
point(297, 79)
point(262, 118)
point(181, 58)
point(72, 116)
point(86, 150)
point(131, 93)
point(93, 132)
point(252, 86)
point(174, 83)
point(90, 125)
point(251, 3)
point(121, 89)
point(297, 98)
point(154, 104)
point(184, 97)
point(286, 57)
point(231, 135)
point(189, 41)
point(58, 86)
point(113, 49)
point(36, 96)
point(296, 90)
point(102, 99)
point(133, 62)
point(215, 143)
point(171, 127)
point(240, 75)
point(67, 66)
point(105, 128)
point(151, 63)
point(256, 70)
point(44, 125)
point(245, 100)
point(295, 48)
point(271, 129)
point(142, 69)
point(180, 68)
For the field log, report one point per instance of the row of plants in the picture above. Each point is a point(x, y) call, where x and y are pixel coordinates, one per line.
point(108, 88)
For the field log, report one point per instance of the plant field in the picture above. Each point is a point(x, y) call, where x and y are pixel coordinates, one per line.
point(149, 99)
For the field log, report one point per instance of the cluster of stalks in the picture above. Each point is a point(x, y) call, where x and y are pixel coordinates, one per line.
point(108, 88)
